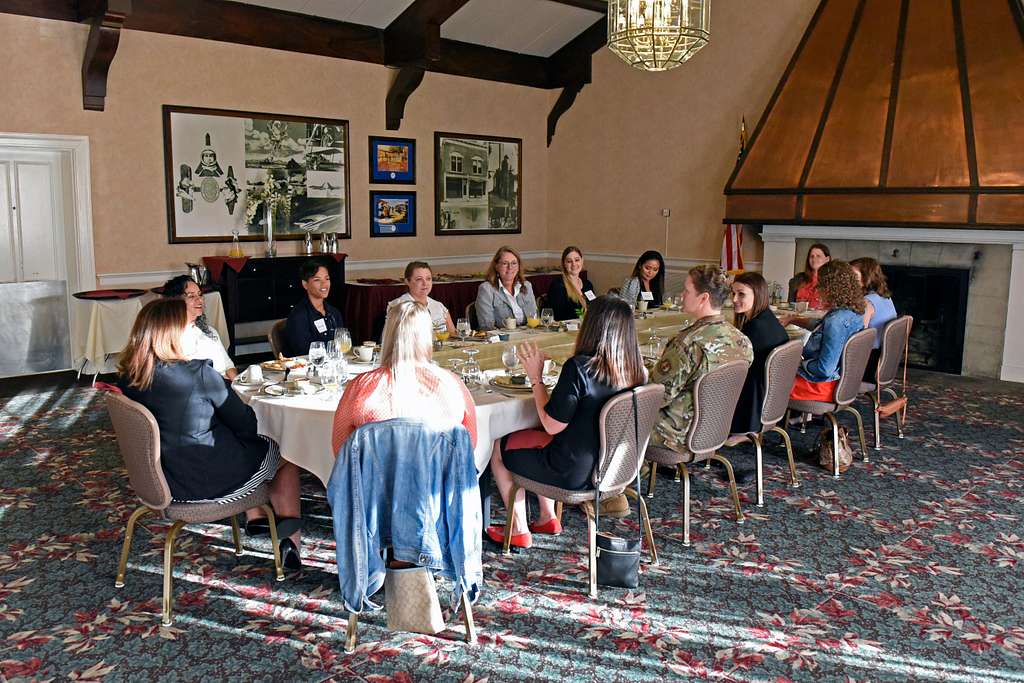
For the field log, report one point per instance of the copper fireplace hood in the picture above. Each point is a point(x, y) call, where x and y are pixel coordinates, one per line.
point(896, 113)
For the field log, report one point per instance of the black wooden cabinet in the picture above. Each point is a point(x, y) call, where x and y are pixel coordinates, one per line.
point(267, 288)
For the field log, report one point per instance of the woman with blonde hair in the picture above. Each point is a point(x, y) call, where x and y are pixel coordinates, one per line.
point(407, 383)
point(209, 446)
point(572, 291)
point(504, 293)
point(564, 453)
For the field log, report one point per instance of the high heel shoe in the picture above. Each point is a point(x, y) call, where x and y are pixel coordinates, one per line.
point(290, 559)
point(260, 526)
point(552, 527)
point(497, 534)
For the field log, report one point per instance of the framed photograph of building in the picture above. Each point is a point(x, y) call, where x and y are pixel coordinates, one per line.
point(392, 214)
point(226, 169)
point(392, 161)
point(477, 184)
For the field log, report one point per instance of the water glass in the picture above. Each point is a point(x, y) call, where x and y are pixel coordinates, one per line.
point(463, 327)
point(547, 317)
point(317, 357)
point(509, 358)
point(343, 339)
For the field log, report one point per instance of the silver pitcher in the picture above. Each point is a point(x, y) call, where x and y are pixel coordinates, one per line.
point(199, 273)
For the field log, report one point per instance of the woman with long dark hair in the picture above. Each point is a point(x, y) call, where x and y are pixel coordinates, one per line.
point(804, 286)
point(199, 340)
point(754, 318)
point(572, 291)
point(648, 276)
point(605, 361)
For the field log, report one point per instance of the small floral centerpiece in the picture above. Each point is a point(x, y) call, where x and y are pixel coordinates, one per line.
point(276, 198)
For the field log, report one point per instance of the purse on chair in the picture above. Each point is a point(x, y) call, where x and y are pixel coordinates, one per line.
point(618, 559)
point(410, 599)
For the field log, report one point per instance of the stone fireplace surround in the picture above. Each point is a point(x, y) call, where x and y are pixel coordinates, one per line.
point(994, 343)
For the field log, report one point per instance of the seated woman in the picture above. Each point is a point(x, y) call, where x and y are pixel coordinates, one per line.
point(209, 447)
point(750, 298)
point(419, 278)
point(504, 293)
point(406, 384)
point(571, 291)
point(818, 374)
point(878, 306)
point(804, 286)
point(648, 276)
point(312, 318)
point(199, 339)
point(564, 453)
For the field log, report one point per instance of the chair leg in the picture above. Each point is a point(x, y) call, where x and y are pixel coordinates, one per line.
point(646, 520)
point(835, 444)
point(351, 632)
point(793, 481)
point(732, 485)
point(129, 531)
point(651, 479)
point(509, 517)
point(686, 506)
point(272, 521)
point(467, 618)
point(860, 429)
point(900, 417)
point(592, 550)
point(236, 535)
point(172, 534)
point(878, 422)
point(558, 510)
point(758, 440)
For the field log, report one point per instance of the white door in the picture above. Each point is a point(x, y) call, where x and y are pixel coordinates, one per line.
point(32, 233)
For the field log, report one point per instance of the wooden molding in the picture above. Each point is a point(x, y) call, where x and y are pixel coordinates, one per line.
point(571, 64)
point(600, 6)
point(565, 100)
point(106, 19)
point(405, 83)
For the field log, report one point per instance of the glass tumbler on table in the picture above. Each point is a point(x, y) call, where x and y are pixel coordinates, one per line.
point(317, 357)
point(343, 340)
point(547, 317)
point(463, 327)
point(509, 358)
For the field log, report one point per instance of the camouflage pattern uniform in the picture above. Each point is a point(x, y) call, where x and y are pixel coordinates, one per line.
point(700, 347)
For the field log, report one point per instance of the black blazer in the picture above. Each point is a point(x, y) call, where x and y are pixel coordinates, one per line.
point(765, 333)
point(208, 441)
point(300, 328)
point(559, 301)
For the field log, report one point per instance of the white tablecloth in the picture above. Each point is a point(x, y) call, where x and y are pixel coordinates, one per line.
point(101, 328)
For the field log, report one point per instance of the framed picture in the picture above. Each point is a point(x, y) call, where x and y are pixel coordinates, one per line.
point(392, 214)
point(226, 169)
point(392, 161)
point(477, 184)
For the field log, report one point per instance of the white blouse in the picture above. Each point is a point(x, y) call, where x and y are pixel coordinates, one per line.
point(437, 310)
point(196, 344)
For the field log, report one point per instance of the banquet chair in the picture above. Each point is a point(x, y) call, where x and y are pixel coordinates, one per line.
point(779, 375)
point(714, 401)
point(893, 353)
point(851, 368)
point(474, 322)
point(542, 303)
point(617, 465)
point(138, 438)
point(276, 338)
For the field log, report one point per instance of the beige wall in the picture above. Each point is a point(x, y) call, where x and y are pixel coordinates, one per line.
point(41, 68)
point(636, 142)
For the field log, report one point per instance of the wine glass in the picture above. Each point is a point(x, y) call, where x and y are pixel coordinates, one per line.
point(547, 317)
point(330, 378)
point(471, 373)
point(317, 356)
point(509, 358)
point(463, 327)
point(343, 339)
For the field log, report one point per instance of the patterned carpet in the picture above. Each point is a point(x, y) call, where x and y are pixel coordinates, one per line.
point(909, 567)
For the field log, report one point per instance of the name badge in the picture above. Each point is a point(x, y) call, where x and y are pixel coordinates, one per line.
point(590, 295)
point(647, 296)
point(320, 325)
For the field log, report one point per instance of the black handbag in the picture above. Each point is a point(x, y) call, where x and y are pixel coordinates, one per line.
point(618, 559)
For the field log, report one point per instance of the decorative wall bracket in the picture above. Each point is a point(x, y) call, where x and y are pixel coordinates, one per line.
point(106, 18)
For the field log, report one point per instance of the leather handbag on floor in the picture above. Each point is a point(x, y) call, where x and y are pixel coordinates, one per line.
point(825, 458)
point(618, 559)
point(410, 599)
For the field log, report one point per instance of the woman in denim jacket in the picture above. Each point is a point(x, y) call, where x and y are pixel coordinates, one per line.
point(818, 374)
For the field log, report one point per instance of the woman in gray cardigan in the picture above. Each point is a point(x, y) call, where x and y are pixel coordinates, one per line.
point(504, 293)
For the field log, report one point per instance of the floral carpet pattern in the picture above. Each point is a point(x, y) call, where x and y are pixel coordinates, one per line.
point(909, 567)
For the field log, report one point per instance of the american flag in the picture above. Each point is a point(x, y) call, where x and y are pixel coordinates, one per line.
point(732, 248)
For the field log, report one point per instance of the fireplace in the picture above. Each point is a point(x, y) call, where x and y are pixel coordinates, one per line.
point(937, 299)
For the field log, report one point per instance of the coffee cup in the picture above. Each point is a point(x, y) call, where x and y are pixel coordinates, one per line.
point(370, 344)
point(254, 374)
point(641, 306)
point(549, 366)
point(304, 386)
point(364, 352)
point(510, 323)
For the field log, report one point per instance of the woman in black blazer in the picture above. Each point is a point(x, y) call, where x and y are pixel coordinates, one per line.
point(572, 291)
point(755, 319)
point(209, 445)
point(312, 318)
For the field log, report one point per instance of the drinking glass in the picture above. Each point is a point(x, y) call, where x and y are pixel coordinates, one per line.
point(343, 339)
point(463, 327)
point(330, 379)
point(509, 358)
point(547, 316)
point(471, 373)
point(317, 356)
point(440, 334)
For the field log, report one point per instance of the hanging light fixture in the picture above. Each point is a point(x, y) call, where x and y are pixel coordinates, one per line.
point(658, 35)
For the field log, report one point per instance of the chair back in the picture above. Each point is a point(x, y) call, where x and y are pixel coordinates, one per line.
point(276, 338)
point(856, 352)
point(894, 341)
point(714, 401)
point(471, 315)
point(779, 374)
point(138, 437)
point(542, 302)
point(619, 459)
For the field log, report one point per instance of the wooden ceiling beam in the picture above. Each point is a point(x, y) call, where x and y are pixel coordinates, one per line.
point(414, 36)
point(105, 17)
point(592, 5)
point(60, 10)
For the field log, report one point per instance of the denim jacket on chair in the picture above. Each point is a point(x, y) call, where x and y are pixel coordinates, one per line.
point(825, 347)
point(401, 484)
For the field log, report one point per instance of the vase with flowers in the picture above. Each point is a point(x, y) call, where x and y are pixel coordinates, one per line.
point(275, 196)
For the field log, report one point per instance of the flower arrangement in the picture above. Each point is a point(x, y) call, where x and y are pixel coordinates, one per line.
point(276, 195)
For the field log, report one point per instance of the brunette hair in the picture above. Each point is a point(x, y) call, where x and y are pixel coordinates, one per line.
point(759, 286)
point(310, 267)
point(712, 280)
point(837, 284)
point(871, 276)
point(823, 248)
point(570, 290)
point(414, 266)
point(609, 335)
point(658, 283)
point(492, 269)
point(175, 287)
point(155, 336)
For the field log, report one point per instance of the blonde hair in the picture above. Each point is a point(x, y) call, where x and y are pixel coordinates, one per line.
point(570, 289)
point(155, 336)
point(407, 347)
point(492, 269)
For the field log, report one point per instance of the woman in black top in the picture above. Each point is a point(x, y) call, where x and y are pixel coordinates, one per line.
point(755, 319)
point(572, 291)
point(606, 360)
point(312, 319)
point(209, 445)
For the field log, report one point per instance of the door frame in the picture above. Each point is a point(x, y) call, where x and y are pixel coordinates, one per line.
point(74, 149)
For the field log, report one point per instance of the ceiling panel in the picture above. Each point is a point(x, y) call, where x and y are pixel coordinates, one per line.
point(378, 13)
point(533, 27)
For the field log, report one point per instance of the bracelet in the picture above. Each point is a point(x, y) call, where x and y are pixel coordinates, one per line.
point(535, 382)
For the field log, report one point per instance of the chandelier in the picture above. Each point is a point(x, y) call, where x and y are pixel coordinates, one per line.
point(658, 35)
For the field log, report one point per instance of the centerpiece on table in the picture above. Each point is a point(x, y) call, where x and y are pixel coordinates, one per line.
point(275, 196)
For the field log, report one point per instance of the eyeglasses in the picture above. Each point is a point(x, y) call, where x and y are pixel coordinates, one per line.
point(508, 264)
point(193, 297)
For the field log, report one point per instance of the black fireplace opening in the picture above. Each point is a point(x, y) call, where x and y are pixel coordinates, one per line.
point(937, 298)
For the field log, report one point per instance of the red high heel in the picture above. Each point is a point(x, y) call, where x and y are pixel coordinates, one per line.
point(497, 534)
point(552, 527)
